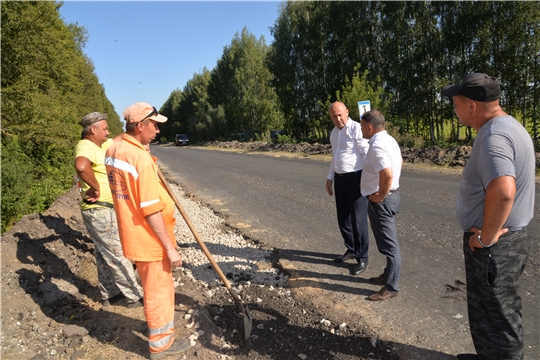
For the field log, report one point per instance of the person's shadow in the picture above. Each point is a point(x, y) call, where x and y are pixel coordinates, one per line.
point(67, 298)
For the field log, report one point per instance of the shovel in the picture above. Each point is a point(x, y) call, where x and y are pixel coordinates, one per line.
point(241, 306)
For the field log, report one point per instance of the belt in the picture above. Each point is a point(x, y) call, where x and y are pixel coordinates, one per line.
point(100, 203)
point(390, 192)
point(349, 173)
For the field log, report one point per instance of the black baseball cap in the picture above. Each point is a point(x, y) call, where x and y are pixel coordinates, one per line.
point(476, 86)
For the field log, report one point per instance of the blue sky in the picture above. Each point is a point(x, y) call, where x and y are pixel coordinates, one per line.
point(142, 51)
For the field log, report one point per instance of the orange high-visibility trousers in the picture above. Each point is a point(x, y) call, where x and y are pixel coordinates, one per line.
point(158, 286)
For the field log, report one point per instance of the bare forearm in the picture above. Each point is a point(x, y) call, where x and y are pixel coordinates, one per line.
point(89, 180)
point(385, 181)
point(85, 172)
point(498, 204)
point(157, 223)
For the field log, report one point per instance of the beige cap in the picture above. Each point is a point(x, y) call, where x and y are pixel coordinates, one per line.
point(141, 111)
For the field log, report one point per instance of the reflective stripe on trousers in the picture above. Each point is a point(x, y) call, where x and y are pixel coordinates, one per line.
point(158, 285)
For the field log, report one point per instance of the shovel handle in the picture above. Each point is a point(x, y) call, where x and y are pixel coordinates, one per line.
point(197, 237)
point(241, 306)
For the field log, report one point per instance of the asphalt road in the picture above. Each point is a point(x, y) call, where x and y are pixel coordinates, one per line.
point(282, 202)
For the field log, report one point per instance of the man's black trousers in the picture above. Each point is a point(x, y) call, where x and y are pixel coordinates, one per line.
point(352, 214)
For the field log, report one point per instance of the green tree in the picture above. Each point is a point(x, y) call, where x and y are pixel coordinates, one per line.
point(241, 85)
point(222, 89)
point(299, 60)
point(354, 90)
point(173, 125)
point(191, 112)
point(411, 49)
point(48, 84)
point(317, 46)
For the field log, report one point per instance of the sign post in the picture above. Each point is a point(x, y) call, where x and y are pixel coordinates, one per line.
point(363, 107)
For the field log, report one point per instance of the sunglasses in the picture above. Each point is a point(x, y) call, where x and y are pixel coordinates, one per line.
point(154, 112)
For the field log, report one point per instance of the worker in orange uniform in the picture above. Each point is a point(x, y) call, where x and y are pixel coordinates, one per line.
point(145, 214)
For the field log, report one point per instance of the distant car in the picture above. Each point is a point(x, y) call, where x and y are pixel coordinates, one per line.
point(181, 140)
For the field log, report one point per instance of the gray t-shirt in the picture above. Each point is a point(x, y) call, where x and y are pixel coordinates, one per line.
point(502, 148)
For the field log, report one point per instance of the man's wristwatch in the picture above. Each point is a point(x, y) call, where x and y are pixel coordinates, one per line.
point(481, 244)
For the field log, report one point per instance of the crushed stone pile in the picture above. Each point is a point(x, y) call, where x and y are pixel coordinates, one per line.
point(242, 262)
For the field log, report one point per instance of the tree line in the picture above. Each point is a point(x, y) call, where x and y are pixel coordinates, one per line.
point(399, 53)
point(48, 85)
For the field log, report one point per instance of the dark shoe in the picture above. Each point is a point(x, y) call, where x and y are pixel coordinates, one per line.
point(135, 304)
point(382, 294)
point(467, 357)
point(347, 256)
point(178, 347)
point(379, 280)
point(107, 302)
point(359, 268)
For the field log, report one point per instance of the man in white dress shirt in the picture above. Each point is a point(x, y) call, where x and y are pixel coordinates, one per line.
point(380, 184)
point(348, 151)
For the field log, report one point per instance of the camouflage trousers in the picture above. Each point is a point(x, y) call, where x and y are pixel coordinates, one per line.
point(494, 304)
point(115, 272)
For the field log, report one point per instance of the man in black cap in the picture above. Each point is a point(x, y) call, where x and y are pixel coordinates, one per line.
point(494, 207)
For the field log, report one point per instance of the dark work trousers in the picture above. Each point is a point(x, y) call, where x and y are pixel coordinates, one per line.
point(382, 217)
point(494, 304)
point(352, 214)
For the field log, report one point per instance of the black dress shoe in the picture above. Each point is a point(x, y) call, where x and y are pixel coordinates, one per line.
point(360, 268)
point(344, 257)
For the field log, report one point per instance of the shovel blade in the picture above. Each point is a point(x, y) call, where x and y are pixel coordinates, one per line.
point(247, 319)
point(247, 324)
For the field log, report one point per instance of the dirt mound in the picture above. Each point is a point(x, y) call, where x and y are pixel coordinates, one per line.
point(303, 147)
point(455, 157)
